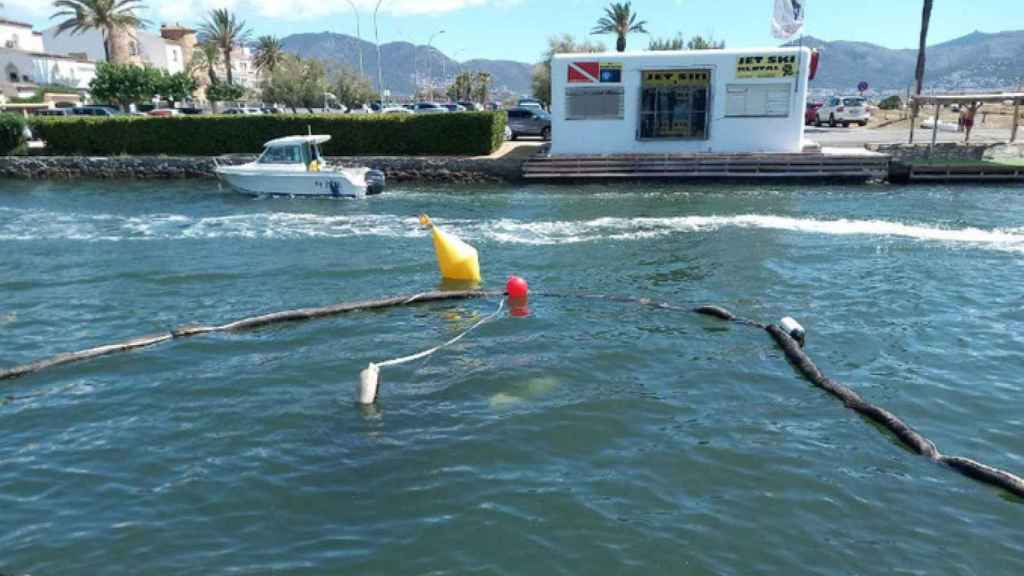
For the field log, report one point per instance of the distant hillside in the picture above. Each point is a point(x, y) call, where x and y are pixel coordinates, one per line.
point(977, 61)
point(403, 62)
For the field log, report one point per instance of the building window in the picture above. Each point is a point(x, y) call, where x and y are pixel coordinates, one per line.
point(674, 104)
point(12, 73)
point(594, 103)
point(174, 56)
point(133, 48)
point(13, 42)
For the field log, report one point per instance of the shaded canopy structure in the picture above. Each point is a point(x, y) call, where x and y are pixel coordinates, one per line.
point(973, 102)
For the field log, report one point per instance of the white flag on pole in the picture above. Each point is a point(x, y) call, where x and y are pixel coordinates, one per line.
point(788, 19)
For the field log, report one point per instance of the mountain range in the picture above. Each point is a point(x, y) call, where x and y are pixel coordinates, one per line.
point(977, 61)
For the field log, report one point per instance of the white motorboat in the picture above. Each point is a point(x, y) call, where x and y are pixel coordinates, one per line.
point(294, 166)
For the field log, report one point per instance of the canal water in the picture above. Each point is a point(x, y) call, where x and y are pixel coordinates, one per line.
point(591, 437)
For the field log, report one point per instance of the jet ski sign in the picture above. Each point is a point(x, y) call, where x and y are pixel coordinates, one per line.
point(766, 66)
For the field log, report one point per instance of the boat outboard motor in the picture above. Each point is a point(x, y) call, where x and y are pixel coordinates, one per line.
point(794, 329)
point(375, 181)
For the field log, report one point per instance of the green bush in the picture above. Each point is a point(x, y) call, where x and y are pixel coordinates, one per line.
point(12, 132)
point(891, 103)
point(470, 133)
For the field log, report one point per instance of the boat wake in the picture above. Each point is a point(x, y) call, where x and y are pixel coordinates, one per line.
point(28, 225)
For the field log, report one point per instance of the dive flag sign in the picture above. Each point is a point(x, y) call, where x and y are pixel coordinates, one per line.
point(788, 18)
point(584, 72)
point(593, 72)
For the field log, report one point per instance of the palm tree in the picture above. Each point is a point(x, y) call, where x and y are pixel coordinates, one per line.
point(206, 57)
point(113, 18)
point(619, 19)
point(223, 29)
point(926, 18)
point(269, 52)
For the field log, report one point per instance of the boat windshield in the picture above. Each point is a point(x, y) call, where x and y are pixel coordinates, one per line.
point(282, 155)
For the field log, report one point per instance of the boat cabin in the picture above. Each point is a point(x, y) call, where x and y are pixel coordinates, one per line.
point(679, 102)
point(296, 151)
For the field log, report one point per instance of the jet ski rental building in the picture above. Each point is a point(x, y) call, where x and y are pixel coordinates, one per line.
point(687, 102)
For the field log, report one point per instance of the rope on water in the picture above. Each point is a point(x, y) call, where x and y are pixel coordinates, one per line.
point(425, 353)
point(237, 325)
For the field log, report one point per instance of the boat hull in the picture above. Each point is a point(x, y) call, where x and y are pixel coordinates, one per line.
point(332, 184)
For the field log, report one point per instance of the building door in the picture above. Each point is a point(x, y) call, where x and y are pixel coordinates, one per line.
point(674, 104)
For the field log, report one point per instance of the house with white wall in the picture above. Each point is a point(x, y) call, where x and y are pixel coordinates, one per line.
point(144, 48)
point(25, 65)
point(682, 102)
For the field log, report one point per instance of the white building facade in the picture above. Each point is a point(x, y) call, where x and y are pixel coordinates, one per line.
point(704, 101)
point(25, 64)
point(144, 48)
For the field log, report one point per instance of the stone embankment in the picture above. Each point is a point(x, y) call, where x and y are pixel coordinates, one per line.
point(397, 169)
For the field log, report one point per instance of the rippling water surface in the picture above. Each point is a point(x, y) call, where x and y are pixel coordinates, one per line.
point(590, 438)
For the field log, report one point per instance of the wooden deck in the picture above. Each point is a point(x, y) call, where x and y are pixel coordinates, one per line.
point(965, 173)
point(855, 165)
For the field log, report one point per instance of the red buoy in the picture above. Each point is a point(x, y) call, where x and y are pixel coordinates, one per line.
point(517, 287)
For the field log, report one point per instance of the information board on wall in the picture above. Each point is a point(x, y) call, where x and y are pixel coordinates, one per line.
point(766, 66)
point(758, 100)
point(594, 103)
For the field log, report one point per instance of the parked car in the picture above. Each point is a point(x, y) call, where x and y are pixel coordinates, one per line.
point(244, 111)
point(396, 110)
point(453, 107)
point(844, 110)
point(163, 112)
point(471, 106)
point(192, 111)
point(811, 113)
point(429, 108)
point(529, 121)
point(530, 103)
point(52, 112)
point(95, 111)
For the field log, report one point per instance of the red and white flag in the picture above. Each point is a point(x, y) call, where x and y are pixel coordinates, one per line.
point(584, 72)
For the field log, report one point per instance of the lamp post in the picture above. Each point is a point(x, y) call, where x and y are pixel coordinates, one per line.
point(430, 65)
point(380, 72)
point(359, 36)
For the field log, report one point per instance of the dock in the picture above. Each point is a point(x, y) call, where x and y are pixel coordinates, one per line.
point(823, 164)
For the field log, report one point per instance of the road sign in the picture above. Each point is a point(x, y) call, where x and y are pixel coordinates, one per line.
point(862, 87)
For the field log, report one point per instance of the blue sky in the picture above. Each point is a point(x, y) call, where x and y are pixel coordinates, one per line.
point(517, 29)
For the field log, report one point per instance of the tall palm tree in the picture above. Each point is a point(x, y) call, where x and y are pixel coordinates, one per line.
point(926, 18)
point(269, 52)
point(113, 18)
point(619, 19)
point(205, 58)
point(226, 31)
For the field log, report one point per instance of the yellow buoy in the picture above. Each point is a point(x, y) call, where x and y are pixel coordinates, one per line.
point(457, 260)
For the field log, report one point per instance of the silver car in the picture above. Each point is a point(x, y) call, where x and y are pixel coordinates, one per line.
point(529, 122)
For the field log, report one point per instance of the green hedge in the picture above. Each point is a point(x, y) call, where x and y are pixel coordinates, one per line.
point(470, 133)
point(12, 132)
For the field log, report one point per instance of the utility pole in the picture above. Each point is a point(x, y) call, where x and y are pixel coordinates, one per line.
point(430, 64)
point(359, 36)
point(380, 72)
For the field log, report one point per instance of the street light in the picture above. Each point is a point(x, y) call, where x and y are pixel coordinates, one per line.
point(359, 36)
point(430, 65)
point(380, 72)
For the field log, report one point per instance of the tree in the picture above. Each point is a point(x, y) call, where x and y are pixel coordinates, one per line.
point(176, 87)
point(225, 31)
point(461, 88)
point(481, 87)
point(926, 18)
point(124, 84)
point(113, 18)
point(352, 89)
point(564, 44)
point(697, 42)
point(206, 56)
point(619, 19)
point(268, 52)
point(296, 82)
point(891, 103)
point(224, 92)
